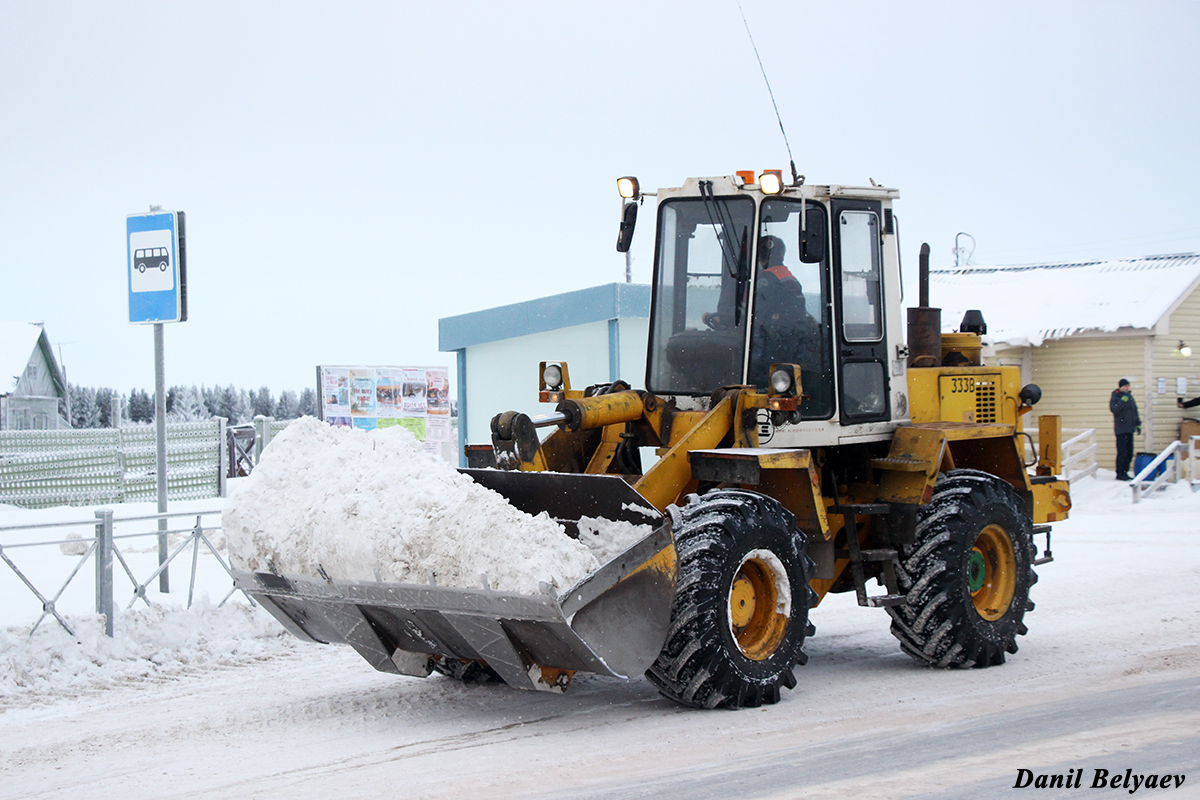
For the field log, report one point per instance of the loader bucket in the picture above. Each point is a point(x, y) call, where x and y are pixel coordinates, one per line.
point(613, 622)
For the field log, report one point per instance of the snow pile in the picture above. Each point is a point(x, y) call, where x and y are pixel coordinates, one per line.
point(147, 643)
point(608, 538)
point(367, 506)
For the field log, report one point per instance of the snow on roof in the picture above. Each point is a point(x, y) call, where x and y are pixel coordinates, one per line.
point(17, 341)
point(1026, 305)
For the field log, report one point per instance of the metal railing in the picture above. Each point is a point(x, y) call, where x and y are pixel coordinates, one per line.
point(1078, 452)
point(1150, 480)
point(1193, 461)
point(247, 442)
point(107, 546)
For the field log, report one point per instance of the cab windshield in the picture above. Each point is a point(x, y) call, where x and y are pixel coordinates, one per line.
point(699, 320)
point(791, 305)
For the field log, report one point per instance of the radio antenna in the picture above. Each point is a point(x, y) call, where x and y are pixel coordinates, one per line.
point(796, 179)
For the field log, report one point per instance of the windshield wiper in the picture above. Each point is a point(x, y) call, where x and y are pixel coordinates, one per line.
point(735, 264)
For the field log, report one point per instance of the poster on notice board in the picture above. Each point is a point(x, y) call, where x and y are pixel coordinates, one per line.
point(416, 398)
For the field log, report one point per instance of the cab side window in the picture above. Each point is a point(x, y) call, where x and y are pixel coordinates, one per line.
point(862, 317)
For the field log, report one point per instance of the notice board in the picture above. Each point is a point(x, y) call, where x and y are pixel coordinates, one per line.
point(416, 398)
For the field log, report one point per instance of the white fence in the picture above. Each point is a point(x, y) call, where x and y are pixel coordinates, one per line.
point(39, 469)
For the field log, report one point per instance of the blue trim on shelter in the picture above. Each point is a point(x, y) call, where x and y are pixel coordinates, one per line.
point(461, 359)
point(614, 349)
point(611, 301)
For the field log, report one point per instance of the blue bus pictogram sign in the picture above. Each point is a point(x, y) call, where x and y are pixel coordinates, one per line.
point(156, 267)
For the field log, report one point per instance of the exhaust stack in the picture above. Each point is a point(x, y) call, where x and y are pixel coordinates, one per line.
point(924, 323)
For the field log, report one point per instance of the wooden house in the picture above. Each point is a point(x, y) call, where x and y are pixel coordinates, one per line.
point(33, 390)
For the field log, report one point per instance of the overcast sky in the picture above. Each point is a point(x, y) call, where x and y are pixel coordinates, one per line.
point(353, 172)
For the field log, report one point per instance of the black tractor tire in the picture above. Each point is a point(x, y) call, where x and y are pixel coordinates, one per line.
point(967, 574)
point(469, 672)
point(740, 613)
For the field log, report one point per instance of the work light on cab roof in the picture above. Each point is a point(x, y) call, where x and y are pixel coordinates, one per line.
point(771, 181)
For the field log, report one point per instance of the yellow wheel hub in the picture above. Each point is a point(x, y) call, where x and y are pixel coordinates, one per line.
point(992, 573)
point(759, 593)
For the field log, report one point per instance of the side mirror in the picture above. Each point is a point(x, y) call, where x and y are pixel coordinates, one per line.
point(628, 220)
point(812, 236)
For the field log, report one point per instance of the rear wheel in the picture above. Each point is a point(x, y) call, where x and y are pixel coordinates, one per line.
point(967, 574)
point(740, 613)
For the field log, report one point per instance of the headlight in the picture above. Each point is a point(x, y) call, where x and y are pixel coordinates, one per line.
point(628, 187)
point(552, 376)
point(781, 381)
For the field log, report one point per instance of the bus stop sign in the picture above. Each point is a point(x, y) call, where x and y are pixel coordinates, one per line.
point(156, 267)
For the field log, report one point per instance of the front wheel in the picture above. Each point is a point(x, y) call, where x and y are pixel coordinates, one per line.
point(741, 604)
point(967, 574)
point(465, 670)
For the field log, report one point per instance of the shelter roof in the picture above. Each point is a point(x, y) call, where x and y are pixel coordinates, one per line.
point(1029, 304)
point(610, 301)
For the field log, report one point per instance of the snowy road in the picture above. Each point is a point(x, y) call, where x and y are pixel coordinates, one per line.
point(1108, 678)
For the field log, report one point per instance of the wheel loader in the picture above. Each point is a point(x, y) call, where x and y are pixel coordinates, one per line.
point(794, 438)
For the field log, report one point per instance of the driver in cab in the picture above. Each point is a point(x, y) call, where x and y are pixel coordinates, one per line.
point(779, 298)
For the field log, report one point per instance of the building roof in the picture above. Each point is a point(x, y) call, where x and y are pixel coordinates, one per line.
point(17, 343)
point(610, 301)
point(1029, 304)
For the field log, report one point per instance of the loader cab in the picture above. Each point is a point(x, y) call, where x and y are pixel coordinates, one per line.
point(743, 280)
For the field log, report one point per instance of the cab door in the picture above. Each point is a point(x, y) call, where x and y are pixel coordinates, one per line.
point(858, 291)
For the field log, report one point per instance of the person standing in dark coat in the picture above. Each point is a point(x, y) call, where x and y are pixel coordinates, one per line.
point(1126, 422)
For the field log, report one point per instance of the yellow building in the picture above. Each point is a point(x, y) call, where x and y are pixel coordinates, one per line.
point(1076, 329)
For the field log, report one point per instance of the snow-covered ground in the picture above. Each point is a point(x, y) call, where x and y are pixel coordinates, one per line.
point(217, 702)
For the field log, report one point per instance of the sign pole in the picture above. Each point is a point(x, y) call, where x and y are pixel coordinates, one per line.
point(160, 430)
point(156, 274)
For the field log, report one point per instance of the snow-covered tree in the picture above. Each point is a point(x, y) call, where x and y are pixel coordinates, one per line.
point(245, 412)
point(308, 402)
point(261, 402)
point(288, 406)
point(141, 406)
point(189, 406)
point(84, 413)
point(212, 400)
point(171, 396)
point(227, 404)
point(104, 399)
